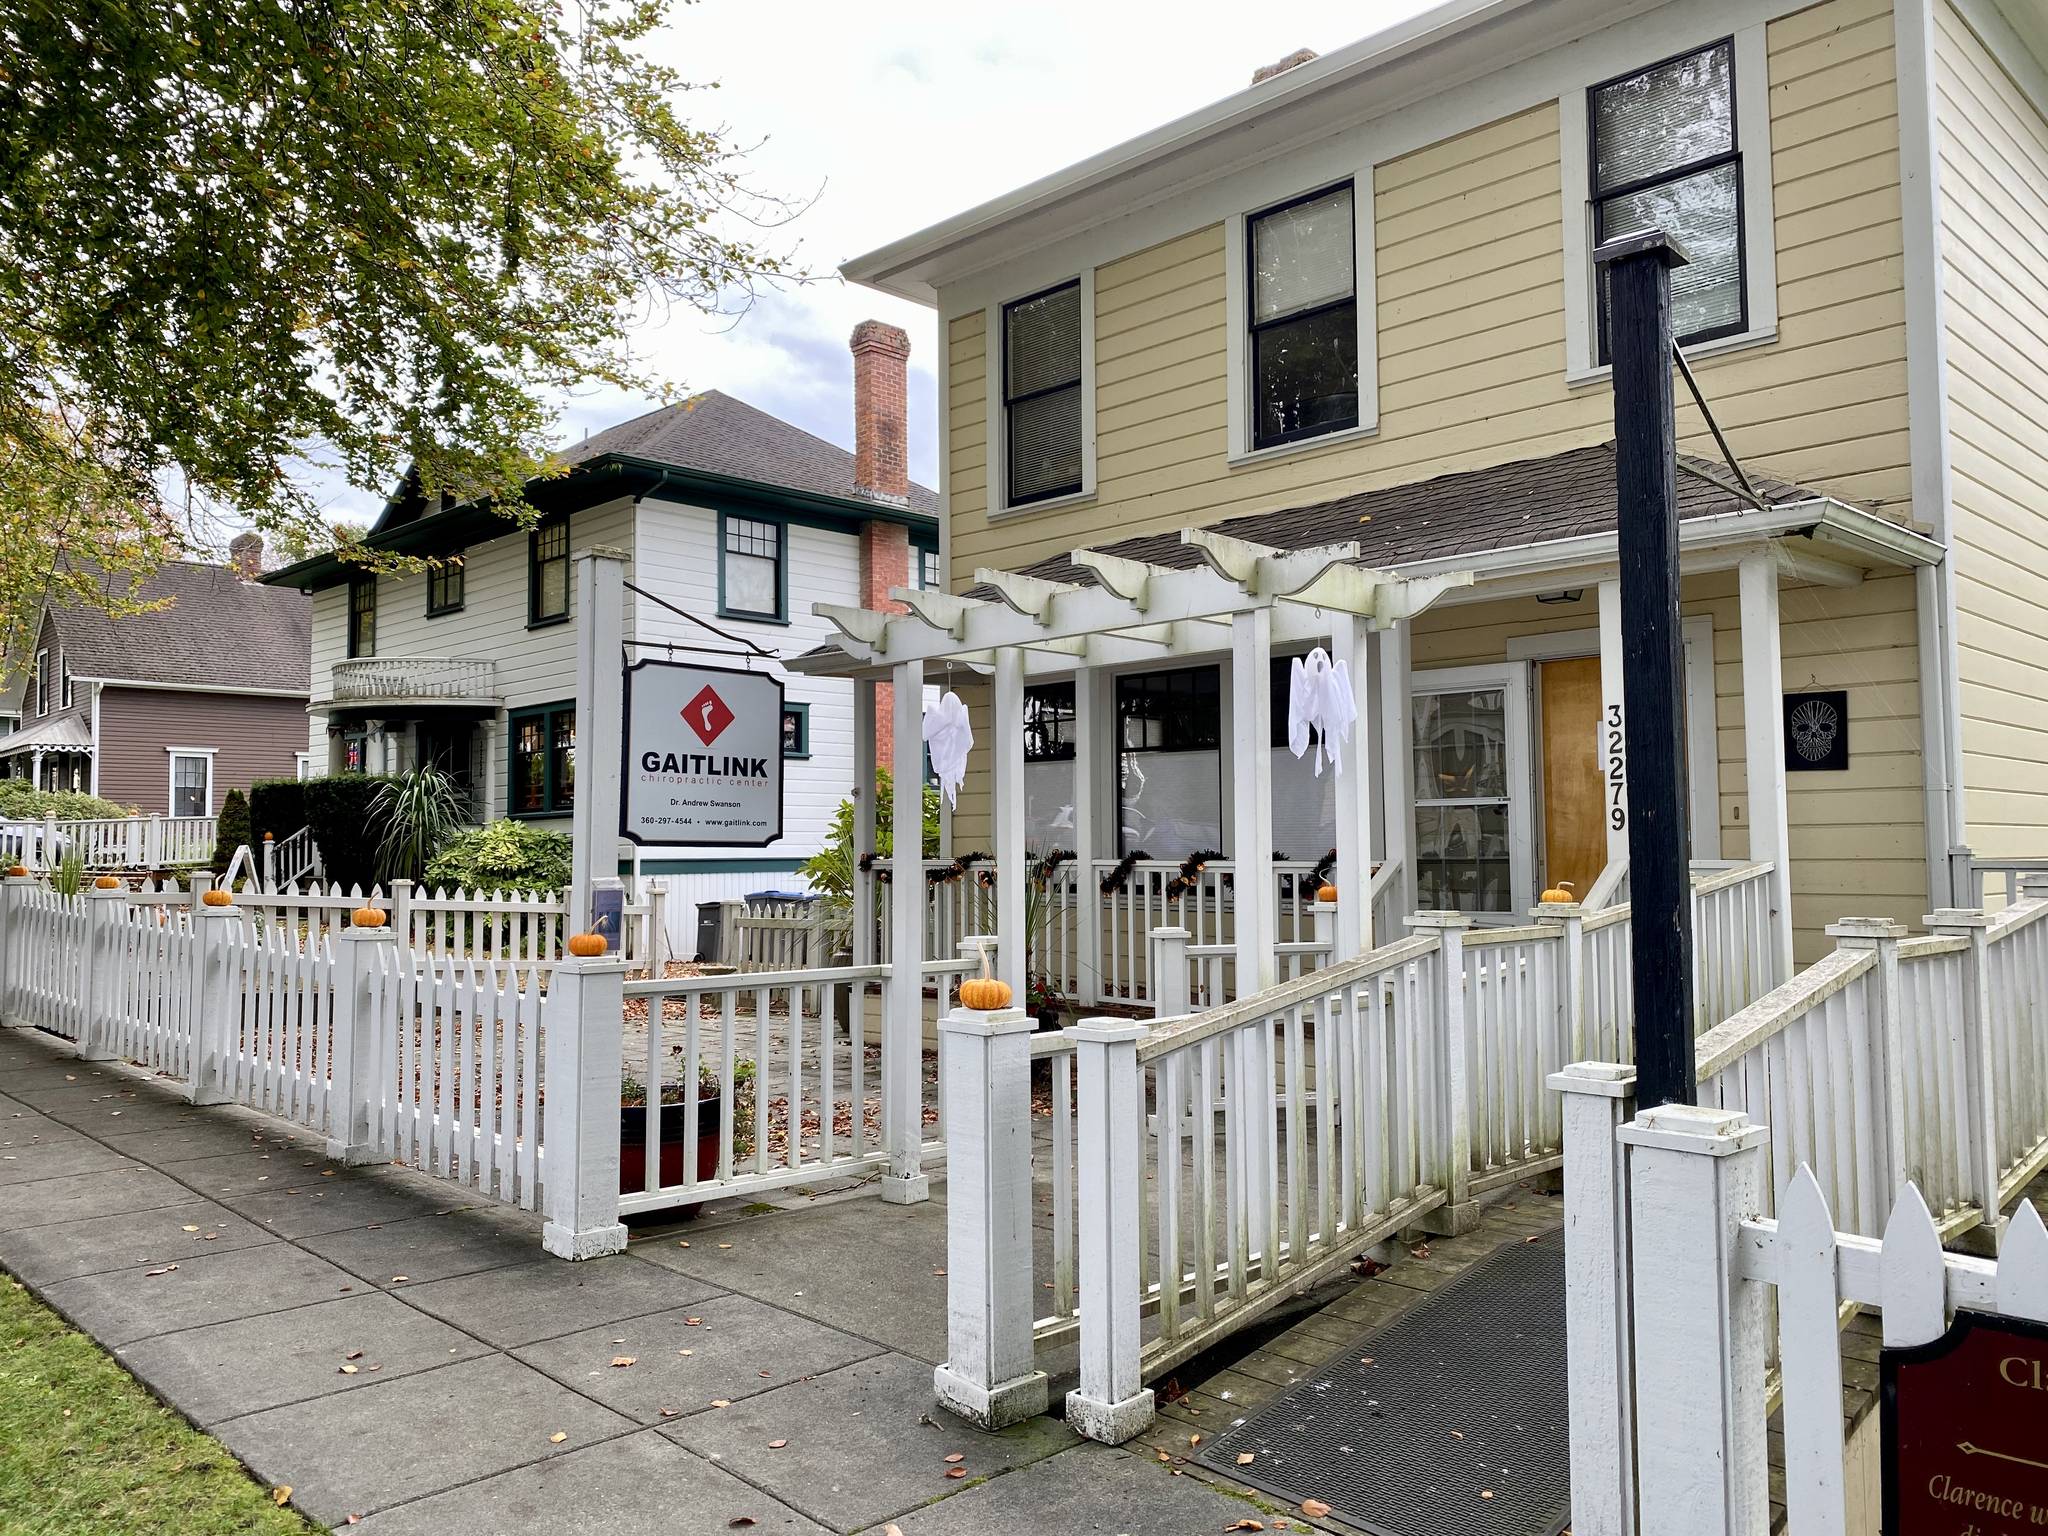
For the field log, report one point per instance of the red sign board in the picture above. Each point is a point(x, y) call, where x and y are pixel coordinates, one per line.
point(1966, 1431)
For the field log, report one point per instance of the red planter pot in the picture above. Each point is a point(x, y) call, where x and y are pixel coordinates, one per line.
point(674, 1150)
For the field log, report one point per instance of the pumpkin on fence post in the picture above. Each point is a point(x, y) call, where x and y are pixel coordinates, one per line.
point(17, 871)
point(214, 896)
point(106, 883)
point(366, 917)
point(587, 946)
point(1326, 892)
point(1559, 893)
point(984, 993)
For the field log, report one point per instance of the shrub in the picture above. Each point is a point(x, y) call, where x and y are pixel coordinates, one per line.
point(337, 808)
point(232, 829)
point(830, 869)
point(416, 814)
point(22, 801)
point(276, 806)
point(504, 856)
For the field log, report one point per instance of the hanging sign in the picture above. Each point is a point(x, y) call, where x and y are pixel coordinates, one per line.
point(1966, 1430)
point(703, 756)
point(1817, 731)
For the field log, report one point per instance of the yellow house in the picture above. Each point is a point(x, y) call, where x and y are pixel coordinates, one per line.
point(1353, 305)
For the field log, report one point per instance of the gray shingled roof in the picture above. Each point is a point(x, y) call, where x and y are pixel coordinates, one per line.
point(217, 631)
point(1531, 501)
point(715, 433)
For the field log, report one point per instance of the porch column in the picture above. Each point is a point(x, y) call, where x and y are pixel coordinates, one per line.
point(1350, 643)
point(1088, 740)
point(1256, 906)
point(1763, 685)
point(864, 765)
point(1397, 774)
point(903, 1030)
point(1613, 728)
point(1007, 729)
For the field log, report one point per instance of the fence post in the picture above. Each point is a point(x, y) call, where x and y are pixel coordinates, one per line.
point(401, 911)
point(1694, 1175)
point(656, 892)
point(153, 841)
point(1600, 1378)
point(1569, 918)
point(215, 1004)
point(730, 911)
point(270, 862)
point(1459, 1212)
point(583, 1016)
point(100, 977)
point(49, 859)
point(12, 888)
point(1889, 1065)
point(1979, 1106)
point(1168, 967)
point(351, 1069)
point(989, 1377)
point(1111, 1404)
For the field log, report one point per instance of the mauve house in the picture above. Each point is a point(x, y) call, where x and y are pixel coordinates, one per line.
point(168, 709)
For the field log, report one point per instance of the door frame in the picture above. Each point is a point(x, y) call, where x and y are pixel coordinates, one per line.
point(1511, 679)
point(1702, 748)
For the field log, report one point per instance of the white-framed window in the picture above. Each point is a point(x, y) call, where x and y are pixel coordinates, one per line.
point(1041, 396)
point(1303, 339)
point(191, 780)
point(303, 765)
point(1682, 144)
point(39, 685)
point(64, 677)
point(1469, 734)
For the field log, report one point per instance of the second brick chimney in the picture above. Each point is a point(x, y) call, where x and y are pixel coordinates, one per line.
point(881, 472)
point(245, 556)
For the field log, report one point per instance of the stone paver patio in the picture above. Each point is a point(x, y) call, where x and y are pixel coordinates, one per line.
point(396, 1350)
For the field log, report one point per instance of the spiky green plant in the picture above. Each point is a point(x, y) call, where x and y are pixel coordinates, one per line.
point(68, 878)
point(416, 814)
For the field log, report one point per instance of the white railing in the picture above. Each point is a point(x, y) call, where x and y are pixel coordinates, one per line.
point(1996, 883)
point(154, 960)
point(277, 1050)
point(294, 860)
point(373, 679)
point(48, 962)
point(109, 842)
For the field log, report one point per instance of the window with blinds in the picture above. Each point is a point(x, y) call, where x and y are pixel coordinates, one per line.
point(1304, 318)
point(1042, 394)
point(750, 582)
point(1665, 155)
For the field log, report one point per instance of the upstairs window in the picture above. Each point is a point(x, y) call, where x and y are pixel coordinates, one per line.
point(362, 616)
point(444, 587)
point(1665, 155)
point(928, 570)
point(1302, 262)
point(547, 574)
point(1042, 424)
point(750, 569)
point(39, 686)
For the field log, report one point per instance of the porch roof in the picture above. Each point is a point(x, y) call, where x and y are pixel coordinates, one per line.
point(63, 733)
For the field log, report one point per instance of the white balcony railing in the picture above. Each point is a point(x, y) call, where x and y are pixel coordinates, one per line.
point(386, 679)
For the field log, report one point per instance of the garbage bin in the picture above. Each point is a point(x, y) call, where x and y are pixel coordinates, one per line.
point(766, 903)
point(708, 928)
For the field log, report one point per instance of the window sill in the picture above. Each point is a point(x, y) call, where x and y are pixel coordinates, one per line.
point(540, 815)
point(1251, 456)
point(549, 623)
point(1080, 498)
point(442, 613)
point(1576, 378)
point(796, 757)
point(752, 618)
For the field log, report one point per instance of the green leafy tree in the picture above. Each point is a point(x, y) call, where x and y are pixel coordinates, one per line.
point(830, 869)
point(246, 239)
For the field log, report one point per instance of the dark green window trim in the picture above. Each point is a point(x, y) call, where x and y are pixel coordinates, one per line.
point(445, 586)
point(541, 752)
point(362, 616)
point(781, 527)
point(547, 553)
point(796, 743)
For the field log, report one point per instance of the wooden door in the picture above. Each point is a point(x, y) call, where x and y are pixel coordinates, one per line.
point(1574, 810)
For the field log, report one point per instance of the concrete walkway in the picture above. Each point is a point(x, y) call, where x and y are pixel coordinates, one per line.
point(397, 1351)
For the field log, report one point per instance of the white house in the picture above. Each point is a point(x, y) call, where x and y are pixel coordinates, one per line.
point(734, 523)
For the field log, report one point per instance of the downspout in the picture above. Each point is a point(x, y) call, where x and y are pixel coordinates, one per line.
point(1927, 392)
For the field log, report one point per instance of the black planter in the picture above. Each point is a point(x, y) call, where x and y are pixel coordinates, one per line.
point(673, 1149)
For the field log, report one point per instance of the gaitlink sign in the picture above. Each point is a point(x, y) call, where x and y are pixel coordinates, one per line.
point(703, 757)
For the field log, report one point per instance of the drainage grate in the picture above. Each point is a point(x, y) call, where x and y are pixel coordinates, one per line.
point(1457, 1428)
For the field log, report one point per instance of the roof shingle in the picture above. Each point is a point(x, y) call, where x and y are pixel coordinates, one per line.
point(216, 631)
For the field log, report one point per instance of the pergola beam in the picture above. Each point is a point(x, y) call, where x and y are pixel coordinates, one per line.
point(1031, 596)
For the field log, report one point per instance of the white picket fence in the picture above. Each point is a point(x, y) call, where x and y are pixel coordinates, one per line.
point(109, 842)
point(1687, 1305)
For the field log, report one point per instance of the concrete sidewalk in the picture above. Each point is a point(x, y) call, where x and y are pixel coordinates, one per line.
point(398, 1351)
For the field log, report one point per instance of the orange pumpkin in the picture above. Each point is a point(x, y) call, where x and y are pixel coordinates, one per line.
point(17, 871)
point(1560, 892)
point(1326, 892)
point(587, 946)
point(106, 883)
point(366, 917)
point(984, 993)
point(214, 896)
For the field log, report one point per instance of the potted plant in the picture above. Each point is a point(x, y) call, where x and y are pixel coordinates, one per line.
point(672, 1149)
point(1042, 1001)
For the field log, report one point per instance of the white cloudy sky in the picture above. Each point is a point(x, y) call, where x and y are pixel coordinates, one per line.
point(906, 111)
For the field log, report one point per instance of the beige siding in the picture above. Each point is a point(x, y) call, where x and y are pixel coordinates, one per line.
point(1471, 331)
point(1994, 181)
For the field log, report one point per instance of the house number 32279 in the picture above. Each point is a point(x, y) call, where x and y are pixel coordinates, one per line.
point(1617, 768)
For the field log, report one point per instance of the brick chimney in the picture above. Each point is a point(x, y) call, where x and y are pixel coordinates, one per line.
point(881, 472)
point(245, 556)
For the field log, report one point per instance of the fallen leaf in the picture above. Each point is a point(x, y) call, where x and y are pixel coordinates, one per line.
point(349, 1370)
point(956, 1471)
point(776, 1445)
point(1457, 1434)
point(693, 1322)
point(739, 1520)
point(1368, 1360)
point(281, 1495)
point(557, 1437)
point(354, 1354)
point(210, 1237)
point(721, 1402)
point(1246, 1458)
point(1194, 1439)
point(938, 1271)
point(954, 1458)
point(400, 1279)
point(1166, 1455)
point(621, 1361)
point(1315, 1509)
point(669, 1413)
point(725, 1245)
point(191, 1229)
point(682, 1242)
point(686, 1351)
point(892, 1529)
point(153, 1273)
point(1246, 1525)
point(353, 1520)
point(1486, 1493)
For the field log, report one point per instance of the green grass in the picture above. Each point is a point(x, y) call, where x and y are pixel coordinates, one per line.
point(86, 1451)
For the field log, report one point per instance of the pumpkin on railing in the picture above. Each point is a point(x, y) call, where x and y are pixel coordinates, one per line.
point(984, 993)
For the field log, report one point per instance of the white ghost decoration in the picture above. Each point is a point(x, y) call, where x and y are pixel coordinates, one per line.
point(1319, 699)
point(949, 738)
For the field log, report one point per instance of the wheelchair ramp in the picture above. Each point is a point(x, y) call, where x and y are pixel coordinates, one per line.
point(1449, 1421)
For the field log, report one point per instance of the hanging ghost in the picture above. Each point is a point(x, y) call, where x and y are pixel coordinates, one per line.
point(1320, 708)
point(948, 738)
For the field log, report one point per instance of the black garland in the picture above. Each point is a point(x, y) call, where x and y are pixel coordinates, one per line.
point(945, 874)
point(1190, 874)
point(1047, 867)
point(1120, 876)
